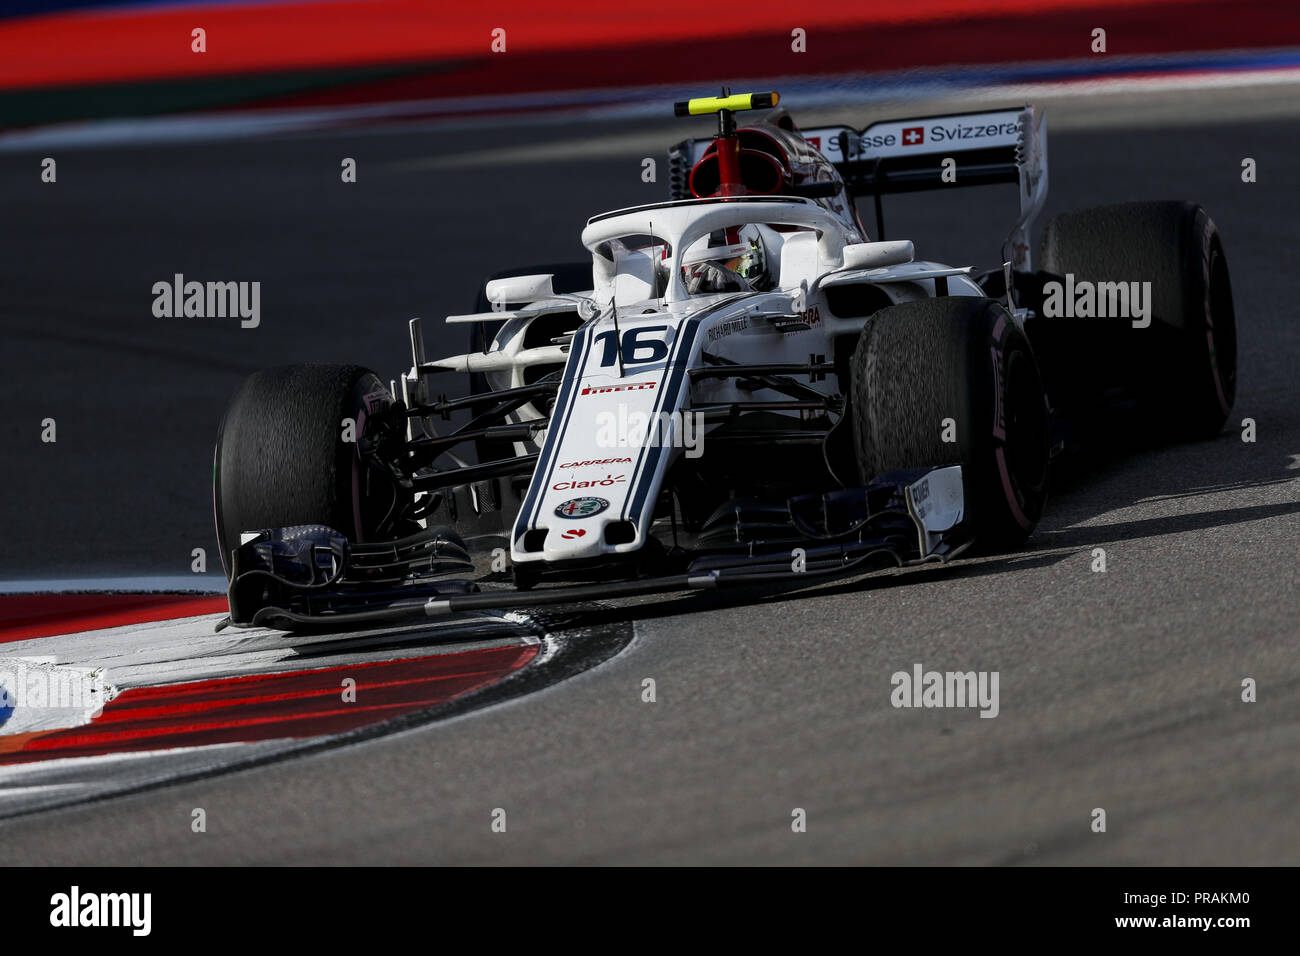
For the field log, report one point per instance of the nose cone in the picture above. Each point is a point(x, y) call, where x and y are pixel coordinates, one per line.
point(573, 542)
point(576, 528)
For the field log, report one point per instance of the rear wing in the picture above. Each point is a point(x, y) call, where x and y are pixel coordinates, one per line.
point(909, 155)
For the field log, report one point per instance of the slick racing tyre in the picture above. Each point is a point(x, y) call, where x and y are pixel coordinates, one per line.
point(920, 364)
point(282, 457)
point(1182, 368)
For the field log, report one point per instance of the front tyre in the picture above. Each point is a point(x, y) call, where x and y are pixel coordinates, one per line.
point(956, 368)
point(284, 457)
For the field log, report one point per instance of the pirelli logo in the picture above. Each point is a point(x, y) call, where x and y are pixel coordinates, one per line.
point(629, 387)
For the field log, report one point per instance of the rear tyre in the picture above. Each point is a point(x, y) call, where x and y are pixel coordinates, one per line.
point(921, 363)
point(1183, 368)
point(282, 458)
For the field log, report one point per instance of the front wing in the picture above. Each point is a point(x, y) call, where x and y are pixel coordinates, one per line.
point(311, 576)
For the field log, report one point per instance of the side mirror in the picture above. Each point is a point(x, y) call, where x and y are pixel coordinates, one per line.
point(875, 255)
point(519, 289)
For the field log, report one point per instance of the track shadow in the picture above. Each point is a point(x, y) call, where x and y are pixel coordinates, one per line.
point(695, 602)
point(1089, 486)
point(1089, 535)
point(1107, 477)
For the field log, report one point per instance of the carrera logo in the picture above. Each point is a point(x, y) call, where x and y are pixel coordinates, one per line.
point(596, 461)
point(595, 482)
point(812, 316)
point(631, 387)
point(913, 135)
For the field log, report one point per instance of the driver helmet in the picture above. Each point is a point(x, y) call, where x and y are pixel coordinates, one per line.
point(727, 260)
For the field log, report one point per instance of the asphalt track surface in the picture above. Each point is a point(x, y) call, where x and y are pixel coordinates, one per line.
point(1118, 690)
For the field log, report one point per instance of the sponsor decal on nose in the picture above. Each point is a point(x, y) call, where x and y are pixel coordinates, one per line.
point(605, 482)
point(630, 387)
point(581, 507)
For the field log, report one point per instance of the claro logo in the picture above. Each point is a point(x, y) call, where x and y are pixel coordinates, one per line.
point(630, 387)
point(594, 483)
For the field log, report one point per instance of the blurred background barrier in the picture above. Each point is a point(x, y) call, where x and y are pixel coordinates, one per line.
point(64, 60)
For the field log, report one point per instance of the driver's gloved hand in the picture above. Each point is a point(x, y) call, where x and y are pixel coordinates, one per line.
point(711, 277)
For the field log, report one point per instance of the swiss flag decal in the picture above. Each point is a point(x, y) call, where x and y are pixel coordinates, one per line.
point(913, 135)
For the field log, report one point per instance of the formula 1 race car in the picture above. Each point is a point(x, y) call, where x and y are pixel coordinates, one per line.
point(739, 387)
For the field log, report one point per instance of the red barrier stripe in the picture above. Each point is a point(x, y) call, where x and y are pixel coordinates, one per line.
point(24, 616)
point(300, 704)
point(88, 47)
